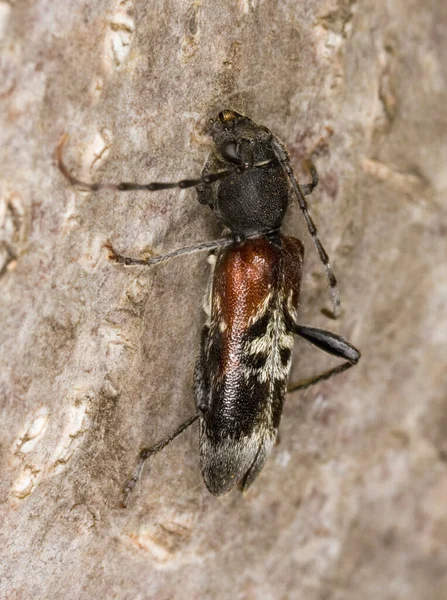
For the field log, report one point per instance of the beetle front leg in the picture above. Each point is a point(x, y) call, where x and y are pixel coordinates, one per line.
point(153, 260)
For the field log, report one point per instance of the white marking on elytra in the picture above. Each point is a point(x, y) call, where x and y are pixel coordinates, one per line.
point(270, 345)
point(208, 296)
point(291, 307)
point(261, 309)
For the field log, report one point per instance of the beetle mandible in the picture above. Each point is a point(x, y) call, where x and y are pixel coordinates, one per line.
point(243, 365)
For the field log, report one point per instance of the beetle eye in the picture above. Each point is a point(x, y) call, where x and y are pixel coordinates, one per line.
point(228, 151)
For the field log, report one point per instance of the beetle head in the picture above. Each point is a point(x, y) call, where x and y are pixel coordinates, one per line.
point(238, 137)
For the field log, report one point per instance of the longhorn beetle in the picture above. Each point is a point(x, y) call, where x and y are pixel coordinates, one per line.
point(242, 368)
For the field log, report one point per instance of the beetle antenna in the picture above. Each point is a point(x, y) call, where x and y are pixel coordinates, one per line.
point(284, 160)
point(126, 186)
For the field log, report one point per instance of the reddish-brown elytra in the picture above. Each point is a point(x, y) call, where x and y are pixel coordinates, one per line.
point(243, 365)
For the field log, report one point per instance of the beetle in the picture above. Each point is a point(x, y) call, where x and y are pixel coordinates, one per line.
point(252, 301)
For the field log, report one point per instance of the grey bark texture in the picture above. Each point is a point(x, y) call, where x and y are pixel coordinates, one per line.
point(97, 359)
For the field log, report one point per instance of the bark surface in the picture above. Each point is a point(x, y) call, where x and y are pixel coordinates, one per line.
point(97, 359)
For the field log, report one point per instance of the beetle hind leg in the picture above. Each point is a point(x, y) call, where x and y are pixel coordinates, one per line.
point(332, 344)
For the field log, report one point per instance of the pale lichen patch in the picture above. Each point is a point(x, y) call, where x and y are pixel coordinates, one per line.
point(24, 485)
point(164, 540)
point(33, 432)
point(98, 149)
point(120, 34)
point(76, 418)
point(5, 12)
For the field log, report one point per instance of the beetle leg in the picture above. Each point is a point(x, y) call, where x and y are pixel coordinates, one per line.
point(145, 453)
point(330, 343)
point(153, 260)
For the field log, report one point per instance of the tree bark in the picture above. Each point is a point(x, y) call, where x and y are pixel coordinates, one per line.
point(97, 359)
